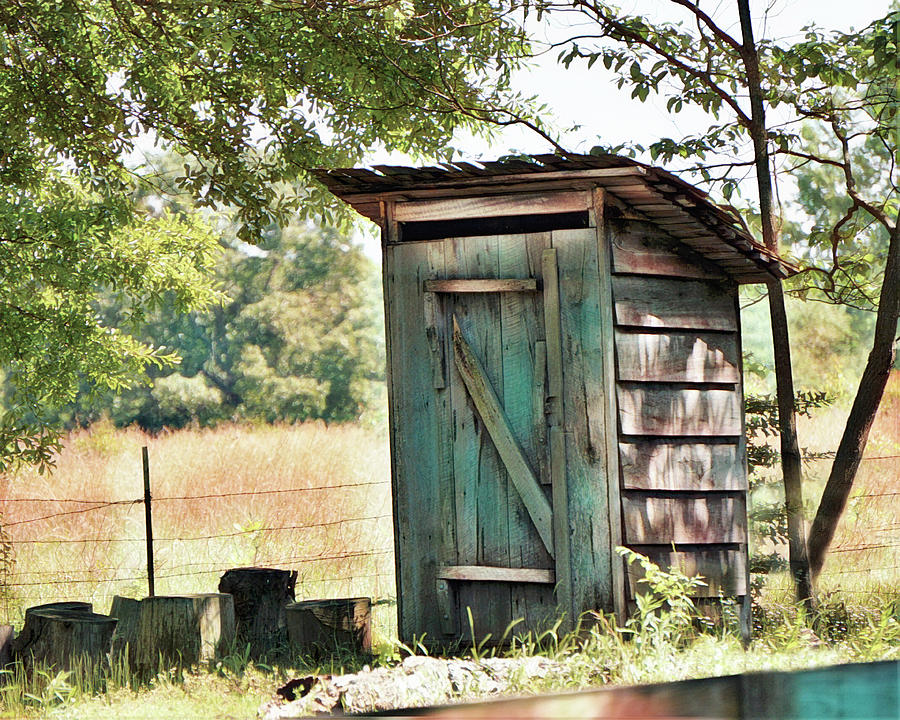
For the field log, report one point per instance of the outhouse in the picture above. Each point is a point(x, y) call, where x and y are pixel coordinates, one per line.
point(564, 371)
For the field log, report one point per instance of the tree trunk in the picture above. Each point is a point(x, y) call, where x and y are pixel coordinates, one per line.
point(175, 630)
point(260, 596)
point(62, 635)
point(792, 471)
point(862, 414)
point(322, 627)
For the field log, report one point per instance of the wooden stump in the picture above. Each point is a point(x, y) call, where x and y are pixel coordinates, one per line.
point(7, 635)
point(175, 630)
point(325, 626)
point(127, 611)
point(62, 635)
point(260, 596)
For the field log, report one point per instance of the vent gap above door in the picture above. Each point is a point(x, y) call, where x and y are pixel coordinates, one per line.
point(502, 225)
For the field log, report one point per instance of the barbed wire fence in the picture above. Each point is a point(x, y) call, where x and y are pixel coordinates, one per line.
point(348, 554)
point(865, 555)
point(345, 550)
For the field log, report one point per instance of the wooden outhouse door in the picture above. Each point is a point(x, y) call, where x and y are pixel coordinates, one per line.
point(492, 308)
point(498, 416)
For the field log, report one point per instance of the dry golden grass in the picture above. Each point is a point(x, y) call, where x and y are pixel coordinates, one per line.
point(865, 553)
point(315, 499)
point(306, 497)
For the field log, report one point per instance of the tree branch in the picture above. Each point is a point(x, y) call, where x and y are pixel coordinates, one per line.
point(700, 75)
point(708, 21)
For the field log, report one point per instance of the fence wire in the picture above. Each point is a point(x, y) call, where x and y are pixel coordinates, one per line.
point(95, 550)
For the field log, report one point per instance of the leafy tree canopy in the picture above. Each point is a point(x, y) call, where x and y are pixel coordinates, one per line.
point(253, 94)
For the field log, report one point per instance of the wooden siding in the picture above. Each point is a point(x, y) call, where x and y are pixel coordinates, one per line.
point(672, 303)
point(680, 409)
point(724, 568)
point(677, 356)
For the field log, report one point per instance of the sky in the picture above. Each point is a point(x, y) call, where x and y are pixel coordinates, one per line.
point(606, 115)
point(587, 98)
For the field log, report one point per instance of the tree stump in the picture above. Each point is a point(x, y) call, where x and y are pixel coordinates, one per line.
point(7, 635)
point(260, 596)
point(326, 626)
point(63, 635)
point(127, 611)
point(176, 630)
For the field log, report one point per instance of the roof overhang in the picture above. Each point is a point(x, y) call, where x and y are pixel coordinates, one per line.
point(641, 191)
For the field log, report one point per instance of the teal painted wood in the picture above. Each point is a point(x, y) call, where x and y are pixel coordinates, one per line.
point(522, 329)
point(584, 417)
point(439, 344)
point(557, 441)
point(485, 491)
point(490, 411)
point(841, 692)
point(609, 409)
point(414, 428)
point(844, 692)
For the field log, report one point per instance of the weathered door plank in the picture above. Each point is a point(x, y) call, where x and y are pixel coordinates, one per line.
point(481, 483)
point(584, 417)
point(491, 414)
point(438, 343)
point(524, 358)
point(415, 437)
point(558, 474)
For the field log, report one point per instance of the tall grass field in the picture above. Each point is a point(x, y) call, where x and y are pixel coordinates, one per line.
point(308, 497)
point(316, 499)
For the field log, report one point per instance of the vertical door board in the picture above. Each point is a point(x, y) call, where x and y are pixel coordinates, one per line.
point(415, 439)
point(584, 418)
point(524, 386)
point(481, 483)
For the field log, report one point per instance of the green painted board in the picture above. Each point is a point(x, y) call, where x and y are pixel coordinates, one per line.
point(415, 438)
point(584, 418)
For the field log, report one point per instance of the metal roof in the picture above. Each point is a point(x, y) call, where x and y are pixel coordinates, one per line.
point(683, 211)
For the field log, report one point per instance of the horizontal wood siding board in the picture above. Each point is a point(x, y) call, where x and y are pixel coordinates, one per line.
point(723, 569)
point(677, 465)
point(711, 518)
point(663, 411)
point(677, 356)
point(639, 248)
point(491, 206)
point(673, 303)
point(481, 573)
point(478, 285)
